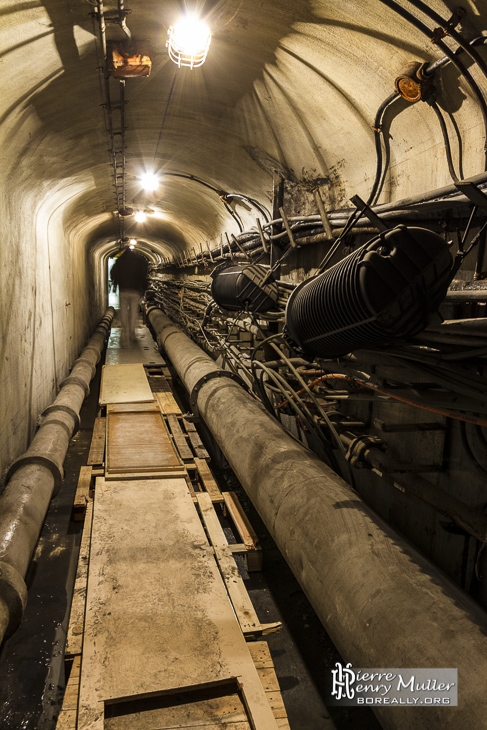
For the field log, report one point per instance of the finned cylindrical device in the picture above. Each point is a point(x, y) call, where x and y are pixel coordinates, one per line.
point(244, 286)
point(382, 292)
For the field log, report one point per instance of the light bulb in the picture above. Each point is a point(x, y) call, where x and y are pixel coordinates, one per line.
point(149, 181)
point(133, 242)
point(140, 216)
point(189, 41)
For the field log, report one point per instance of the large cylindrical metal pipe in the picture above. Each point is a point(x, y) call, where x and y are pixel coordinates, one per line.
point(382, 602)
point(33, 478)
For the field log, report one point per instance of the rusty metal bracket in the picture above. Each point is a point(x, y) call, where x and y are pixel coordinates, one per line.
point(440, 33)
point(193, 397)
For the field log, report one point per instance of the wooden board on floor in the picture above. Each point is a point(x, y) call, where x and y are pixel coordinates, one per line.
point(196, 443)
point(167, 404)
point(137, 441)
point(68, 715)
point(82, 496)
point(244, 610)
point(245, 530)
point(158, 619)
point(74, 639)
point(97, 448)
point(208, 482)
point(179, 439)
point(124, 384)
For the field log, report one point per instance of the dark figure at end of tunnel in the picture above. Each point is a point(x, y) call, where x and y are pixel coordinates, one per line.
point(129, 274)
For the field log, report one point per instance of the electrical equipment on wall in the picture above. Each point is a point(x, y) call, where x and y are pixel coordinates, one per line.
point(384, 291)
point(129, 59)
point(413, 83)
point(244, 286)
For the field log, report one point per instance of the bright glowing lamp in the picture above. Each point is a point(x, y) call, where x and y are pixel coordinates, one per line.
point(133, 242)
point(150, 181)
point(189, 41)
point(140, 216)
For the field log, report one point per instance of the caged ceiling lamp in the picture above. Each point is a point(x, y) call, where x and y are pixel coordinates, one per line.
point(188, 42)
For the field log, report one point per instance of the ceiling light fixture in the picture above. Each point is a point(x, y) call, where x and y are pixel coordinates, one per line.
point(149, 181)
point(189, 41)
point(140, 216)
point(133, 242)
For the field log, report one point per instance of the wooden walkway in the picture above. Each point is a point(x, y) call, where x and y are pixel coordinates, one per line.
point(162, 630)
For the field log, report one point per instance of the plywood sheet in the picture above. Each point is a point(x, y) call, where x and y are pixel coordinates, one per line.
point(138, 441)
point(158, 619)
point(124, 384)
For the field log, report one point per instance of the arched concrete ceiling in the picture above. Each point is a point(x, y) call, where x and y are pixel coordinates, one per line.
point(289, 85)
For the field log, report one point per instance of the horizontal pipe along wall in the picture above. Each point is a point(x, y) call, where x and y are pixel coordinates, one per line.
point(36, 476)
point(383, 603)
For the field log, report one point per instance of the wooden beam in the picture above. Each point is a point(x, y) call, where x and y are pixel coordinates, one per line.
point(179, 439)
point(74, 639)
point(82, 496)
point(97, 448)
point(245, 530)
point(208, 481)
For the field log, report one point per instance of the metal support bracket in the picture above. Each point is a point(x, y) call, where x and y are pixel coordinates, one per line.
point(369, 213)
point(473, 193)
point(193, 398)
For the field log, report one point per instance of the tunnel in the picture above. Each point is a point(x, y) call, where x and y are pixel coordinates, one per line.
point(306, 185)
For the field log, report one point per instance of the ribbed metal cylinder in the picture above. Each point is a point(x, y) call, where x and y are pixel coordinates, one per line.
point(384, 291)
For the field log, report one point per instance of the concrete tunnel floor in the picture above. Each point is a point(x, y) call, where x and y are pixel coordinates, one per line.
point(32, 661)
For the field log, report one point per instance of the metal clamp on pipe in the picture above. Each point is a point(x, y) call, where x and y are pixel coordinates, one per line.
point(193, 397)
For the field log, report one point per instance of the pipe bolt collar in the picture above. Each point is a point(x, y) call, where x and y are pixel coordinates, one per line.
point(13, 593)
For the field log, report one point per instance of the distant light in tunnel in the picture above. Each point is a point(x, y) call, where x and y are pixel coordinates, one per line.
point(133, 242)
point(140, 216)
point(189, 41)
point(149, 181)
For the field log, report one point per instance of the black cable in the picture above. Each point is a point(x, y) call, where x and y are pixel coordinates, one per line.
point(165, 114)
point(465, 45)
point(377, 127)
point(451, 55)
point(446, 139)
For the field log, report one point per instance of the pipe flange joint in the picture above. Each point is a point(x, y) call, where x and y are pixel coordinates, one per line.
point(74, 380)
point(13, 594)
point(193, 398)
point(358, 448)
point(27, 459)
point(85, 360)
point(65, 409)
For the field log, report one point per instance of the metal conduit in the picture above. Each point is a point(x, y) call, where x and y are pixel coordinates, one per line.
point(36, 476)
point(383, 603)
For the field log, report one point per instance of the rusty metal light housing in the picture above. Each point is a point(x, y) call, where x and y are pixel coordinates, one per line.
point(413, 84)
point(129, 59)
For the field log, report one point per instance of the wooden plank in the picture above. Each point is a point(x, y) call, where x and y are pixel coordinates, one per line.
point(245, 530)
point(97, 448)
point(124, 384)
point(208, 482)
point(137, 441)
point(74, 639)
point(131, 407)
point(168, 473)
point(179, 439)
point(167, 404)
point(247, 617)
point(82, 496)
point(68, 715)
point(261, 655)
point(196, 443)
point(158, 619)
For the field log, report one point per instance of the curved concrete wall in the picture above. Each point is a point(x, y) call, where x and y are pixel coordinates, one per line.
point(291, 86)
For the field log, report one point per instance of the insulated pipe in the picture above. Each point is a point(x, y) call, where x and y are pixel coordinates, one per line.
point(35, 477)
point(382, 602)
